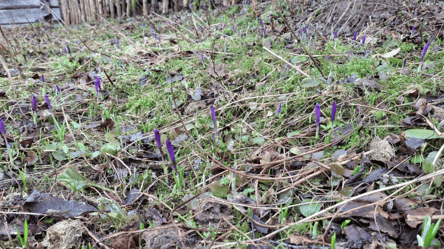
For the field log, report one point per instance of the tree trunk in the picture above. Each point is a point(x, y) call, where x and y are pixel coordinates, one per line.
point(165, 6)
point(155, 4)
point(100, 7)
point(145, 7)
point(128, 8)
point(111, 8)
point(119, 9)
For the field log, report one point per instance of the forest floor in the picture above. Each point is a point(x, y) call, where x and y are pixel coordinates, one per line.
point(309, 125)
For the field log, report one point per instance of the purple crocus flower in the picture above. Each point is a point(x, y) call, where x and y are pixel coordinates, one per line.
point(157, 137)
point(318, 115)
point(169, 22)
point(68, 49)
point(403, 64)
point(413, 30)
point(117, 42)
point(202, 59)
point(213, 116)
point(43, 78)
point(355, 36)
point(234, 29)
point(265, 32)
point(172, 156)
point(34, 103)
point(97, 84)
point(336, 34)
point(58, 88)
point(201, 28)
point(48, 102)
point(333, 113)
point(2, 127)
point(262, 24)
point(363, 40)
point(278, 109)
point(424, 51)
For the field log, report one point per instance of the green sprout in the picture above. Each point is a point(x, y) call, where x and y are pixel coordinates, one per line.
point(428, 232)
point(24, 240)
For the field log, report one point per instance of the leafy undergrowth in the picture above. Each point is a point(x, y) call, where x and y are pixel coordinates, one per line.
point(233, 95)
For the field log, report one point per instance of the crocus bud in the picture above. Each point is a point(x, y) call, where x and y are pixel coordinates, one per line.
point(403, 64)
point(97, 84)
point(34, 103)
point(58, 88)
point(424, 51)
point(234, 29)
point(157, 137)
point(278, 109)
point(333, 112)
point(2, 127)
point(43, 78)
point(336, 34)
point(171, 153)
point(202, 59)
point(355, 36)
point(363, 40)
point(48, 102)
point(213, 116)
point(318, 114)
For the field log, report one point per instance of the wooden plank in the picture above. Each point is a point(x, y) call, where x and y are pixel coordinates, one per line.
point(17, 4)
point(54, 3)
point(23, 15)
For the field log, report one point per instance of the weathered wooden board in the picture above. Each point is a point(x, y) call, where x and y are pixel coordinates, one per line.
point(17, 16)
point(20, 4)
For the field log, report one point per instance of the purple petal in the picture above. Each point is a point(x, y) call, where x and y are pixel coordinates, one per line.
point(355, 36)
point(279, 109)
point(318, 114)
point(48, 102)
point(98, 82)
point(424, 51)
point(170, 151)
point(333, 112)
point(2, 127)
point(213, 115)
point(34, 103)
point(363, 40)
point(157, 137)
